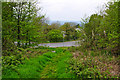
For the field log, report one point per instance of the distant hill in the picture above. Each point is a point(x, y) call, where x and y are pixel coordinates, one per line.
point(62, 22)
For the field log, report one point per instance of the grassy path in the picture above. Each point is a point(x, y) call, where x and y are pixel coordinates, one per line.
point(49, 65)
point(58, 67)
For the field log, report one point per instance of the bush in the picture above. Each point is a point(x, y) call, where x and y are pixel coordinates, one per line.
point(55, 36)
point(84, 68)
point(11, 61)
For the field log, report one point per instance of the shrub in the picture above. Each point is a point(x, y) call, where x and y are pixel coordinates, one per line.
point(55, 36)
point(84, 68)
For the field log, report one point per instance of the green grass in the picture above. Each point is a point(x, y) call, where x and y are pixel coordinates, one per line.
point(58, 67)
point(60, 63)
point(49, 65)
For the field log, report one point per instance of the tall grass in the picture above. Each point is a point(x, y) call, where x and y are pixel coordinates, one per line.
point(30, 68)
point(52, 64)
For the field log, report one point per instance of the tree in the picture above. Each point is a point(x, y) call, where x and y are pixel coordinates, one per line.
point(55, 35)
point(18, 21)
point(91, 28)
point(111, 25)
point(69, 31)
point(51, 27)
point(8, 27)
point(25, 12)
point(102, 31)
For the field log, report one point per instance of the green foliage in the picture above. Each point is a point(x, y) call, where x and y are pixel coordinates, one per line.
point(20, 23)
point(101, 31)
point(99, 34)
point(8, 26)
point(90, 28)
point(70, 32)
point(58, 67)
point(82, 70)
point(55, 36)
point(10, 74)
point(93, 64)
point(112, 26)
point(11, 61)
point(28, 68)
point(57, 64)
point(48, 65)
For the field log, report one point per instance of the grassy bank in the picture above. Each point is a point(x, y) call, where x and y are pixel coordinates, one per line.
point(51, 64)
point(73, 62)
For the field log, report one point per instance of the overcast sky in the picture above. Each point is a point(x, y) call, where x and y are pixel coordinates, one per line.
point(70, 10)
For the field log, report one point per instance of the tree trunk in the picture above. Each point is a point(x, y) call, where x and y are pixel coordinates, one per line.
point(26, 38)
point(18, 24)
